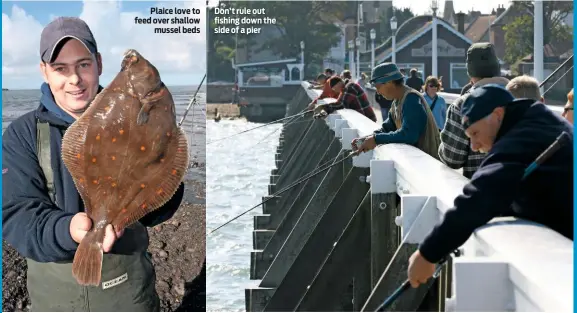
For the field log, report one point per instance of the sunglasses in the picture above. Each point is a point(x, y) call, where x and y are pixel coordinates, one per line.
point(433, 86)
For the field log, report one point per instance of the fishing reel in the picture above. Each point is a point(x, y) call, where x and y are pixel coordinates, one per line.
point(321, 114)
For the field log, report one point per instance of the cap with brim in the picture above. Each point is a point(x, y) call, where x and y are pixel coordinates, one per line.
point(482, 101)
point(62, 28)
point(384, 73)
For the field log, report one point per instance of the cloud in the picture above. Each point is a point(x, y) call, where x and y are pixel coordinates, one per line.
point(175, 55)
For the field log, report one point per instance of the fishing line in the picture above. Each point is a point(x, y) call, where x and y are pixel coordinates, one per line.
point(293, 122)
point(287, 188)
point(260, 126)
point(560, 141)
point(555, 83)
point(192, 101)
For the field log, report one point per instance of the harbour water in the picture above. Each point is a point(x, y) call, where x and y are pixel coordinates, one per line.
point(237, 179)
point(15, 103)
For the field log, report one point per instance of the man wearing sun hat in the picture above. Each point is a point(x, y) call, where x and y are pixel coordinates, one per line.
point(43, 215)
point(410, 119)
point(483, 68)
point(512, 133)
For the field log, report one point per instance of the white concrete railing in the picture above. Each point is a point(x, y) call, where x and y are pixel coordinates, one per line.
point(508, 265)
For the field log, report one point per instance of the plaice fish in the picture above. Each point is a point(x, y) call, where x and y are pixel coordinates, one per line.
point(126, 155)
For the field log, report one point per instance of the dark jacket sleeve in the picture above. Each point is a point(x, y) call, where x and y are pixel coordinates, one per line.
point(489, 194)
point(413, 124)
point(165, 212)
point(31, 223)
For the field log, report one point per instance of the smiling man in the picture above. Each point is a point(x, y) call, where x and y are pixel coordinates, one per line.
point(42, 213)
point(512, 133)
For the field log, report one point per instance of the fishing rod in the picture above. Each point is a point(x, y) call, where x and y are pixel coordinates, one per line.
point(287, 188)
point(555, 83)
point(263, 125)
point(557, 70)
point(192, 101)
point(561, 140)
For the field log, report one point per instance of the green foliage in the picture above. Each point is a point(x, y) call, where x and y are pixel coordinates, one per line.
point(402, 16)
point(308, 21)
point(519, 33)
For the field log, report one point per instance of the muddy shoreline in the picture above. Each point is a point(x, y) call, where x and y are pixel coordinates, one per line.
point(178, 253)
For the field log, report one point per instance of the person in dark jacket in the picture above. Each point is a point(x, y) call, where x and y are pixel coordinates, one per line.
point(42, 212)
point(513, 133)
point(385, 105)
point(415, 81)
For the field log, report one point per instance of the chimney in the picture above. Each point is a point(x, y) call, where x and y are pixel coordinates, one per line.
point(461, 22)
point(500, 10)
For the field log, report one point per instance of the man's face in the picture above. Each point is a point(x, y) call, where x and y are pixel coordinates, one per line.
point(338, 87)
point(483, 133)
point(386, 90)
point(73, 77)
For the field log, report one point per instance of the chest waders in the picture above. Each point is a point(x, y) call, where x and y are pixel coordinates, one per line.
point(128, 277)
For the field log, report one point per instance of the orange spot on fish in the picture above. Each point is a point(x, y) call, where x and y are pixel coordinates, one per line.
point(107, 108)
point(168, 134)
point(113, 158)
point(98, 137)
point(142, 148)
point(78, 155)
point(121, 131)
point(109, 177)
point(159, 191)
point(113, 184)
point(174, 172)
point(95, 182)
point(93, 160)
point(162, 160)
point(113, 139)
point(123, 211)
point(142, 185)
point(143, 206)
point(81, 180)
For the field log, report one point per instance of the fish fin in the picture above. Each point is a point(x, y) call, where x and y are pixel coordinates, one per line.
point(74, 157)
point(144, 113)
point(87, 264)
point(164, 190)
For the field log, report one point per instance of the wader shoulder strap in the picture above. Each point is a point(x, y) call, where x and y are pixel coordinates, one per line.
point(43, 154)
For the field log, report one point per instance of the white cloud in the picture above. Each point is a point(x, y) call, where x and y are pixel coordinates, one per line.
point(175, 55)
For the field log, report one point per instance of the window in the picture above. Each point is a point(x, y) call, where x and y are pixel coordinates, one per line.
point(407, 67)
point(459, 77)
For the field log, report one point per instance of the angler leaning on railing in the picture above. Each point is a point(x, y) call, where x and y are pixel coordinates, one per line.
point(508, 265)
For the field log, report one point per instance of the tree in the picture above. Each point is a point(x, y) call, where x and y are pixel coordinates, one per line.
point(519, 32)
point(309, 21)
point(221, 50)
point(402, 15)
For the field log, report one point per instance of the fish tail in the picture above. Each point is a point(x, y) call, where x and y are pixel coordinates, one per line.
point(87, 265)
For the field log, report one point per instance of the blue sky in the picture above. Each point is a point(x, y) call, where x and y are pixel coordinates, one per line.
point(181, 59)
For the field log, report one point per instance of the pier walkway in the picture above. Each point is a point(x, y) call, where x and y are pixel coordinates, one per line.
point(340, 241)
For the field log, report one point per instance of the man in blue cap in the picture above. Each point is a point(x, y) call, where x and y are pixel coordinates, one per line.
point(42, 213)
point(410, 120)
point(512, 133)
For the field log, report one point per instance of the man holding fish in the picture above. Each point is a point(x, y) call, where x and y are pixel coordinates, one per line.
point(44, 216)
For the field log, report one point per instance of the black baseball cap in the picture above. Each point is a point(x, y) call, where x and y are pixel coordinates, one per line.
point(482, 101)
point(60, 29)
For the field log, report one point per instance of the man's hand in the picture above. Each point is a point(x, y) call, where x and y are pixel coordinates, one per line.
point(81, 224)
point(420, 270)
point(368, 144)
point(320, 108)
point(311, 106)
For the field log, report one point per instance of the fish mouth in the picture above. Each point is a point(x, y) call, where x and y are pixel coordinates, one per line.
point(131, 57)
